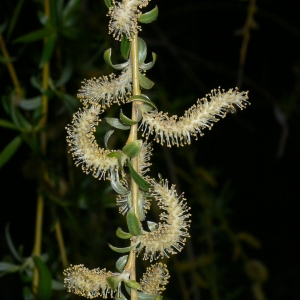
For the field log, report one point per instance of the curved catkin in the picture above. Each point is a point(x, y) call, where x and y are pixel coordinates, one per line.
point(87, 283)
point(171, 233)
point(123, 18)
point(84, 147)
point(200, 116)
point(106, 90)
point(155, 279)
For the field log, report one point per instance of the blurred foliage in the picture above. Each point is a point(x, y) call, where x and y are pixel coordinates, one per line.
point(215, 264)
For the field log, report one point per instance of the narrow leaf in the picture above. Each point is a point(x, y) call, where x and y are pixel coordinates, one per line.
point(66, 74)
point(149, 65)
point(31, 104)
point(127, 120)
point(121, 262)
point(118, 187)
point(142, 98)
point(149, 16)
point(10, 150)
point(125, 47)
point(132, 284)
point(145, 82)
point(108, 3)
point(113, 281)
point(70, 8)
point(107, 58)
point(116, 123)
point(8, 267)
point(107, 136)
point(133, 223)
point(3, 27)
point(7, 124)
point(143, 296)
point(14, 17)
point(132, 149)
point(142, 50)
point(122, 234)
point(48, 48)
point(33, 36)
point(122, 250)
point(141, 182)
point(11, 246)
point(45, 281)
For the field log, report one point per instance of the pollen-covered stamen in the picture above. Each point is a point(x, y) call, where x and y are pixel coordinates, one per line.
point(170, 236)
point(200, 116)
point(123, 18)
point(87, 283)
point(85, 150)
point(155, 279)
point(107, 89)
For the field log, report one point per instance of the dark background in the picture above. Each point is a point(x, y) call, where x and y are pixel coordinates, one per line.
point(257, 153)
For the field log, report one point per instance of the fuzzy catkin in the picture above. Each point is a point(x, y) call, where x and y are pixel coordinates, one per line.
point(200, 116)
point(171, 234)
point(85, 150)
point(124, 18)
point(155, 279)
point(106, 90)
point(87, 283)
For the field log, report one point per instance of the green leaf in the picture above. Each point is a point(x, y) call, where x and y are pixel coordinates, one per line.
point(10, 150)
point(113, 281)
point(132, 149)
point(115, 154)
point(31, 104)
point(140, 181)
point(133, 223)
point(7, 124)
point(149, 65)
point(116, 123)
point(65, 75)
point(159, 298)
point(125, 47)
point(122, 250)
point(33, 36)
point(27, 293)
point(14, 18)
point(8, 267)
point(45, 281)
point(122, 234)
point(118, 187)
point(120, 297)
point(106, 138)
point(141, 202)
point(145, 82)
point(70, 8)
point(142, 51)
point(48, 48)
point(132, 284)
point(121, 262)
point(126, 120)
point(142, 98)
point(11, 246)
point(143, 296)
point(108, 3)
point(107, 58)
point(18, 118)
point(149, 16)
point(3, 27)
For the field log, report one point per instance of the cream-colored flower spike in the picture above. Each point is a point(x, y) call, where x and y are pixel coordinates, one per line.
point(171, 233)
point(155, 279)
point(107, 89)
point(87, 283)
point(198, 117)
point(84, 147)
point(123, 18)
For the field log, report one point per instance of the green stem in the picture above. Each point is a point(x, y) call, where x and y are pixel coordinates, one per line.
point(130, 266)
